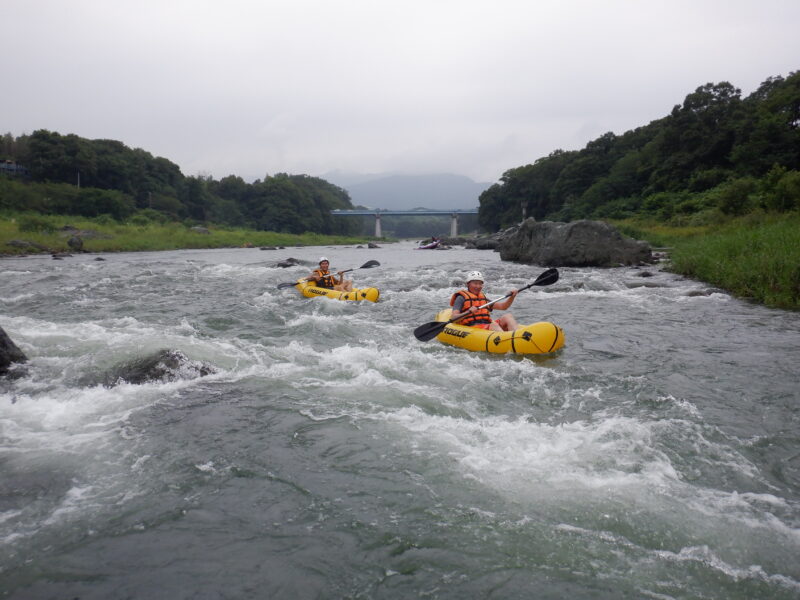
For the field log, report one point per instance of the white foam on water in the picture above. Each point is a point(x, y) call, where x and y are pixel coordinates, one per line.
point(15, 299)
point(76, 501)
point(640, 297)
point(611, 460)
point(506, 454)
point(229, 271)
point(706, 557)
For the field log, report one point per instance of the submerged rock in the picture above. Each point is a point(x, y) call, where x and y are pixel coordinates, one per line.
point(289, 262)
point(164, 365)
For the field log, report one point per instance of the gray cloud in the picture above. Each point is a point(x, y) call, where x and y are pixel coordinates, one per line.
point(309, 86)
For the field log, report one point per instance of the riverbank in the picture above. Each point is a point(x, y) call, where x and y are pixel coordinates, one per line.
point(756, 258)
point(29, 234)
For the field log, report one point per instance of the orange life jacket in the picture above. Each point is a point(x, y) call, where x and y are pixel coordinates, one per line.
point(327, 280)
point(481, 316)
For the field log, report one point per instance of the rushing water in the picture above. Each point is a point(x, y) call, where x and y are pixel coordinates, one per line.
point(332, 455)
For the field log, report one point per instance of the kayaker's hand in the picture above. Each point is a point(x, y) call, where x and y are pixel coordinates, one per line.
point(340, 273)
point(513, 293)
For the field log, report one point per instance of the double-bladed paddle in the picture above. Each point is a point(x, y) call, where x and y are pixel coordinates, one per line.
point(367, 265)
point(428, 331)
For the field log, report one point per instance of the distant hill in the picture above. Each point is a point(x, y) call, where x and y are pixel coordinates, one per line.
point(405, 192)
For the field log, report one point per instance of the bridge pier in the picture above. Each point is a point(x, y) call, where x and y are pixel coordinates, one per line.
point(454, 225)
point(378, 232)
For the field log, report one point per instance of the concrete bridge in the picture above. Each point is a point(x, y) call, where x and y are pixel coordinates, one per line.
point(378, 213)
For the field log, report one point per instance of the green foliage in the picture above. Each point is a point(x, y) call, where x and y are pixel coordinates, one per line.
point(105, 220)
point(714, 155)
point(734, 197)
point(76, 176)
point(780, 189)
point(36, 224)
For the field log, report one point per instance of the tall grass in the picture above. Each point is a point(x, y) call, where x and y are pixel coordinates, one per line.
point(758, 260)
point(656, 233)
point(110, 236)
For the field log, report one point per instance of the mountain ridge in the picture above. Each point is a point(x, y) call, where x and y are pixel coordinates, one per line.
point(396, 191)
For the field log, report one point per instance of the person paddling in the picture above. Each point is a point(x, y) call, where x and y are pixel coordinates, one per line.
point(322, 277)
point(468, 302)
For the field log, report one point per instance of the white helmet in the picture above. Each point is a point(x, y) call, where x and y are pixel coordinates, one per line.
point(474, 276)
point(323, 259)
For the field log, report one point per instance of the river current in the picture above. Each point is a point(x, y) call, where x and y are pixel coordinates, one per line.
point(330, 454)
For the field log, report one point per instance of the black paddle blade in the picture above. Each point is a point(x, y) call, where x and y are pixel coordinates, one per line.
point(286, 285)
point(428, 331)
point(549, 277)
point(369, 264)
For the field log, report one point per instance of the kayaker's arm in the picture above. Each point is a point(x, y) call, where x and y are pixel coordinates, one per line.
point(507, 303)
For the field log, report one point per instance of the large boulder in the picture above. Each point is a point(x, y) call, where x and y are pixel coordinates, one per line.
point(9, 353)
point(576, 244)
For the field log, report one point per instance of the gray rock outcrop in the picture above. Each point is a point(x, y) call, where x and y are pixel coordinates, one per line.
point(575, 244)
point(9, 353)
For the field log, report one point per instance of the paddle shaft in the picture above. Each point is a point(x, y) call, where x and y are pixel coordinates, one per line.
point(522, 289)
point(367, 265)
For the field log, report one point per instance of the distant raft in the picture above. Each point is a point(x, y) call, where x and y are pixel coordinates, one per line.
point(537, 338)
point(312, 291)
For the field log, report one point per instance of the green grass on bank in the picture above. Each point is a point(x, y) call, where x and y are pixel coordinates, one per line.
point(756, 257)
point(109, 236)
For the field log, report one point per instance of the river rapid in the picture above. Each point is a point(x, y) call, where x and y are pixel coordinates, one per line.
point(332, 455)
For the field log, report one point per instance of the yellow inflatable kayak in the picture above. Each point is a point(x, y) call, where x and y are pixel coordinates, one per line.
point(537, 338)
point(312, 291)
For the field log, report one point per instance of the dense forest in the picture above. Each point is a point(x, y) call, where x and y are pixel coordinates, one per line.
point(714, 156)
point(70, 175)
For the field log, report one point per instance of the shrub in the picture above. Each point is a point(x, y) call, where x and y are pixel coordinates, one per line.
point(139, 220)
point(785, 195)
point(734, 197)
point(151, 216)
point(36, 224)
point(105, 219)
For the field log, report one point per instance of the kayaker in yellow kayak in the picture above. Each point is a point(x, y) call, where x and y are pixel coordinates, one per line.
point(323, 278)
point(469, 302)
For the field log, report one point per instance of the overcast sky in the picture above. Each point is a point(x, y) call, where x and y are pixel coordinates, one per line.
point(415, 86)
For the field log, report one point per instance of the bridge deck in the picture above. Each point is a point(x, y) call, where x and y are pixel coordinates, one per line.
point(389, 213)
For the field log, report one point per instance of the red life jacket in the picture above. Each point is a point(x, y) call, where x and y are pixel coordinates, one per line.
point(326, 281)
point(481, 316)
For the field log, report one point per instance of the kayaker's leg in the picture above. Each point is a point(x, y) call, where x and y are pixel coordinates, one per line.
point(508, 322)
point(345, 286)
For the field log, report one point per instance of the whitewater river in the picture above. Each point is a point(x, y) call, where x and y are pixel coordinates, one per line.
point(332, 455)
